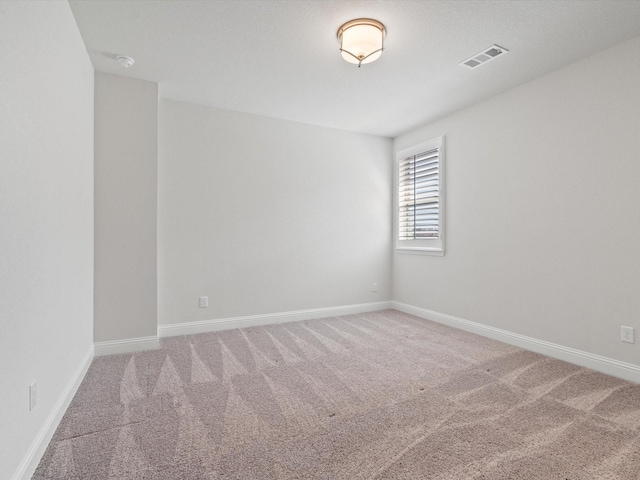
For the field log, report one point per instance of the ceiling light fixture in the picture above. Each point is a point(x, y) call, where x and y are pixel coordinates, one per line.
point(125, 61)
point(361, 40)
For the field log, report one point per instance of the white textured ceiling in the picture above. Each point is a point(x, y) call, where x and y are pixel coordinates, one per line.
point(280, 58)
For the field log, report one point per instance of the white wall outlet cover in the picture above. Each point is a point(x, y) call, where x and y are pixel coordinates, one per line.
point(204, 302)
point(375, 287)
point(33, 395)
point(626, 334)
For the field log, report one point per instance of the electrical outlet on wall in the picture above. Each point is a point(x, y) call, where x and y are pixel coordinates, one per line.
point(374, 288)
point(626, 334)
point(204, 302)
point(33, 395)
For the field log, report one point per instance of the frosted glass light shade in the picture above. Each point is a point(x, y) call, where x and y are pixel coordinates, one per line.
point(361, 40)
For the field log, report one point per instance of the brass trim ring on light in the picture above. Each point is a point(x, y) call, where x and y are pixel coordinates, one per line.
point(361, 21)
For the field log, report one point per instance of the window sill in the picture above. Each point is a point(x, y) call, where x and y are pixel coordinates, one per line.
point(436, 252)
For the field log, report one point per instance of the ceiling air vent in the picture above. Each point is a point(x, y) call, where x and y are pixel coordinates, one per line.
point(489, 54)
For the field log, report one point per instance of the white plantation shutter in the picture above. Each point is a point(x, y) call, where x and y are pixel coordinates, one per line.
point(419, 196)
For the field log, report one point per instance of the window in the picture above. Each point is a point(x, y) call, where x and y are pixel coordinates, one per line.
point(420, 209)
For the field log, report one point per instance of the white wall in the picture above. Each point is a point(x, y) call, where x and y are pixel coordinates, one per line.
point(267, 216)
point(46, 216)
point(543, 229)
point(126, 144)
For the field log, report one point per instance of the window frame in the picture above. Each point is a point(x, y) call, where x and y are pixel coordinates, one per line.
point(435, 246)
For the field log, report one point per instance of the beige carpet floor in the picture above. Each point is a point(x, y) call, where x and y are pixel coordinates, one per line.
point(380, 395)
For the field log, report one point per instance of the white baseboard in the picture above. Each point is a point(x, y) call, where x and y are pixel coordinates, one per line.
point(31, 460)
point(127, 345)
point(189, 328)
point(610, 366)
